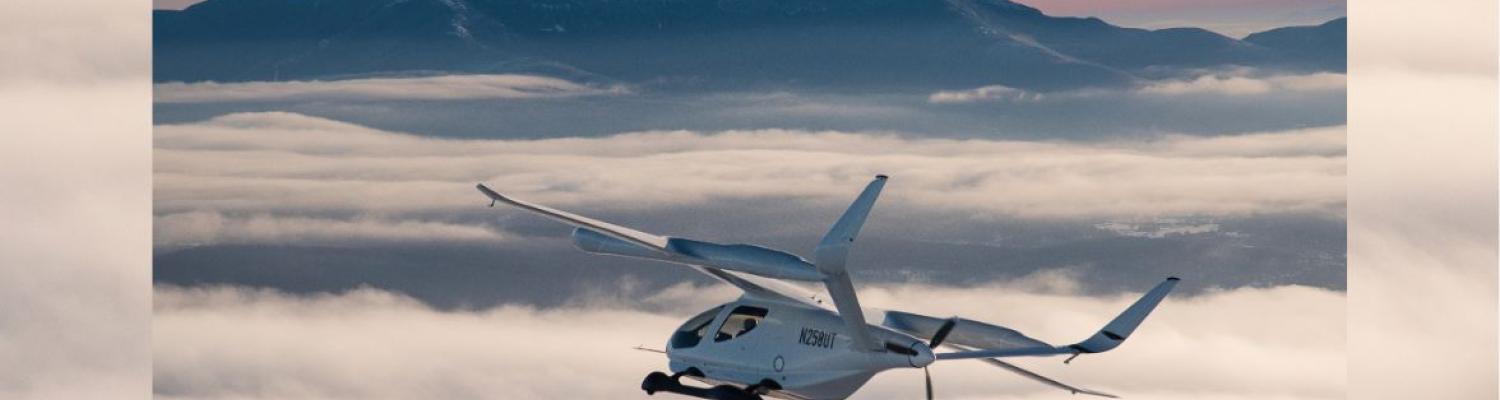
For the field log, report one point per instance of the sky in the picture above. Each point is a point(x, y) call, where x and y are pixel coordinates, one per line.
point(293, 213)
point(77, 290)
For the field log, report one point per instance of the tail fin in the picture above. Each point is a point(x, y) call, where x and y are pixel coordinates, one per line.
point(1122, 326)
point(831, 255)
point(833, 250)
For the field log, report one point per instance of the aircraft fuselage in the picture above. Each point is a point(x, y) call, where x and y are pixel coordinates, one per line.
point(805, 351)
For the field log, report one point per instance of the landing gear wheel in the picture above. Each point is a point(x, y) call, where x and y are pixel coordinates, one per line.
point(656, 381)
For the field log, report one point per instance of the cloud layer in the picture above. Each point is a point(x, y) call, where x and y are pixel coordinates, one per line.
point(226, 342)
point(444, 87)
point(1422, 242)
point(984, 93)
point(201, 227)
point(268, 165)
point(75, 247)
point(75, 226)
point(1236, 84)
point(1227, 84)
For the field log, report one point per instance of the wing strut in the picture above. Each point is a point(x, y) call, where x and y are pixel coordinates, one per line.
point(1049, 381)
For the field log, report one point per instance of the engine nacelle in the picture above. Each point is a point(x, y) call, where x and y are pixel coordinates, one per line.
point(598, 243)
point(734, 257)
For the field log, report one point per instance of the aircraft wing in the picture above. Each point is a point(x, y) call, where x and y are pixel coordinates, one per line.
point(766, 289)
point(965, 333)
point(744, 266)
point(971, 336)
point(1111, 336)
point(643, 239)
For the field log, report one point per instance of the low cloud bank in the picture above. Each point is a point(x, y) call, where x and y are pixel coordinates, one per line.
point(1236, 84)
point(1422, 242)
point(227, 342)
point(984, 93)
point(282, 164)
point(1231, 83)
point(444, 87)
point(198, 227)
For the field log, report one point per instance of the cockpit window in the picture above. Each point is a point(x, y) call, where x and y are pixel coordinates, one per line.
point(693, 330)
point(741, 321)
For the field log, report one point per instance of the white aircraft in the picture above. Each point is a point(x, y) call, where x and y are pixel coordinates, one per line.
point(783, 341)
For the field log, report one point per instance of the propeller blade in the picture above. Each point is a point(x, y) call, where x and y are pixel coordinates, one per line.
point(942, 332)
point(928, 375)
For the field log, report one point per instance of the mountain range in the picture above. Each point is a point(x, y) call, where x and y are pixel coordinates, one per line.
point(709, 44)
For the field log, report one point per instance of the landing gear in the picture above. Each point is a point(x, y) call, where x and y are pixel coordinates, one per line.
point(661, 382)
point(657, 381)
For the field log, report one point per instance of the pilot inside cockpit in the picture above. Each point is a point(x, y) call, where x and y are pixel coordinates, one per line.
point(748, 325)
point(741, 321)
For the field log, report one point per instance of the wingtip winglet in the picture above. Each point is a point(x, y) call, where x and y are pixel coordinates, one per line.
point(882, 177)
point(493, 195)
point(487, 191)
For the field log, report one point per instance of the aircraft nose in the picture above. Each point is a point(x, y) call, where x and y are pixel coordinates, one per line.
point(923, 357)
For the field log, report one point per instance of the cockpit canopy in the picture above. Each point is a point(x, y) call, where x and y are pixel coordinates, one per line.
point(739, 322)
point(692, 331)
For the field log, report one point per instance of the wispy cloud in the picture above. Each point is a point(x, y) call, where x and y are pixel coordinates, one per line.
point(225, 342)
point(1230, 83)
point(985, 93)
point(202, 227)
point(803, 105)
point(1240, 84)
point(444, 87)
point(1156, 230)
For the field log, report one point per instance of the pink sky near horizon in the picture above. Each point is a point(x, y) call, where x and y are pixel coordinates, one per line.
point(1235, 18)
point(173, 4)
point(1093, 6)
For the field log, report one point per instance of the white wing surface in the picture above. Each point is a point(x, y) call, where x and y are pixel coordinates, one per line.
point(654, 242)
point(735, 264)
point(966, 333)
point(1106, 339)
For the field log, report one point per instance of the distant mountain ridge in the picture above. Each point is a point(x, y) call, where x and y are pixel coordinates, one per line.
point(1324, 46)
point(707, 44)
